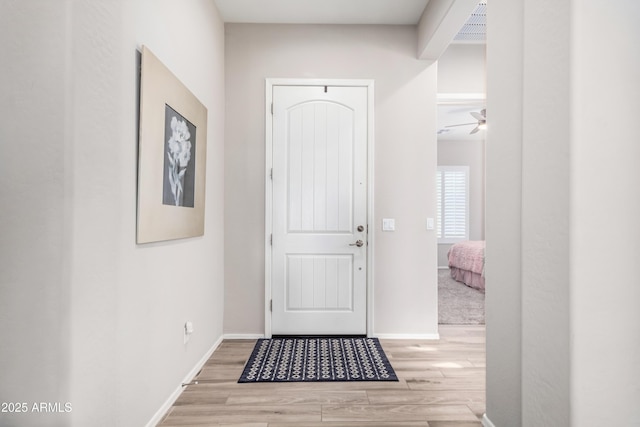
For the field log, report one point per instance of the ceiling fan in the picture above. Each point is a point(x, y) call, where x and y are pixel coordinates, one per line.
point(480, 124)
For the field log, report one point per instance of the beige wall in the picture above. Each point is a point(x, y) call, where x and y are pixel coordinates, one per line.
point(405, 161)
point(86, 315)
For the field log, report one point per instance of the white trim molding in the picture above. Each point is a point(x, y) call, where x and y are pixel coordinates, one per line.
point(462, 98)
point(242, 336)
point(486, 422)
point(157, 417)
point(408, 336)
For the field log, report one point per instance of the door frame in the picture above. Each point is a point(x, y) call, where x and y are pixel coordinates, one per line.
point(268, 212)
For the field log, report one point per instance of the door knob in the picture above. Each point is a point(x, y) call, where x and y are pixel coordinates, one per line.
point(358, 243)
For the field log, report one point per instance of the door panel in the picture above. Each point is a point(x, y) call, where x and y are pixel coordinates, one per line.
point(319, 282)
point(319, 198)
point(320, 161)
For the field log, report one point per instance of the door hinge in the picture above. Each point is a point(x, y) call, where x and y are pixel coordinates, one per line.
point(272, 108)
point(271, 174)
point(271, 240)
point(271, 305)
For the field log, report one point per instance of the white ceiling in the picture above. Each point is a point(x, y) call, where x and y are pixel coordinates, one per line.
point(393, 12)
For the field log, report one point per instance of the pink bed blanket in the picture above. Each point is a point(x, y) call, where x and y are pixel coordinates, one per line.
point(468, 256)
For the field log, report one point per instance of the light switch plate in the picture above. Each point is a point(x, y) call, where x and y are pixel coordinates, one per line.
point(388, 224)
point(430, 224)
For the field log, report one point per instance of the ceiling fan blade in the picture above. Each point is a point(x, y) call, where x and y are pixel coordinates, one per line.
point(477, 128)
point(478, 116)
point(463, 124)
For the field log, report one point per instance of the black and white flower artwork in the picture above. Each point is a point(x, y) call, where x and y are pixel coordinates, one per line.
point(171, 166)
point(179, 163)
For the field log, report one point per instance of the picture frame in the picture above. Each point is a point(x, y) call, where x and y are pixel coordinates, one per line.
point(171, 156)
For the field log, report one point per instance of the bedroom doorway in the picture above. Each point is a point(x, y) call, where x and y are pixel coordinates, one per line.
point(460, 216)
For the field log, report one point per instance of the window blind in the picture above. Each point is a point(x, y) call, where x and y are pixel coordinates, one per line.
point(452, 222)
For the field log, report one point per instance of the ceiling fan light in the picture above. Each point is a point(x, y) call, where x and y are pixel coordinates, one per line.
point(482, 126)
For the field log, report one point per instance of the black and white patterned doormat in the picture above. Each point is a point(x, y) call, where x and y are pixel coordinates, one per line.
point(317, 359)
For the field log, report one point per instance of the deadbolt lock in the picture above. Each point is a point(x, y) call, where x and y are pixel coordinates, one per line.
point(361, 228)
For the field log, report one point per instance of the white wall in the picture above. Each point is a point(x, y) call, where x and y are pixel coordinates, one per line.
point(545, 215)
point(405, 153)
point(34, 271)
point(543, 196)
point(503, 299)
point(462, 69)
point(561, 326)
point(93, 318)
point(605, 208)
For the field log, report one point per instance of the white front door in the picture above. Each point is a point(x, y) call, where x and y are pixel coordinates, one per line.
point(319, 220)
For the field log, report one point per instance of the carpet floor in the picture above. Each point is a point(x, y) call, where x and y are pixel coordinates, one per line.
point(458, 304)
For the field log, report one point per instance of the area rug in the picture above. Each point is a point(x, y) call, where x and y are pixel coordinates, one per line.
point(317, 359)
point(458, 304)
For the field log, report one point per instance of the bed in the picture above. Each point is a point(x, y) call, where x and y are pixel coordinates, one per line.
point(466, 262)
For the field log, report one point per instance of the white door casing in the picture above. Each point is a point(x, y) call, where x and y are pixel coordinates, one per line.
point(318, 206)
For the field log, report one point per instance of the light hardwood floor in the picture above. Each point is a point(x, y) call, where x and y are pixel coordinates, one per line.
point(441, 384)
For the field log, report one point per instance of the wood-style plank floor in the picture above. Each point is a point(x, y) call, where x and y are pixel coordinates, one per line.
point(441, 384)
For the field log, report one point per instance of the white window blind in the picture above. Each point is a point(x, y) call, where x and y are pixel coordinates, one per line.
point(452, 223)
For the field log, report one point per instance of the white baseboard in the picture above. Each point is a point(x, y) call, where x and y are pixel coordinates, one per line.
point(381, 336)
point(407, 336)
point(486, 422)
point(242, 336)
point(443, 267)
point(155, 420)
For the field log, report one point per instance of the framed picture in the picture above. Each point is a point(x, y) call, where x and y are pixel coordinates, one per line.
point(171, 156)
